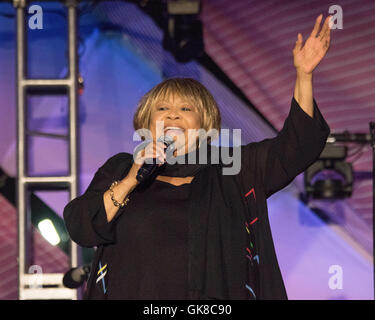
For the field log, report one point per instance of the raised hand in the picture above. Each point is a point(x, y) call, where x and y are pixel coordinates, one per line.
point(308, 56)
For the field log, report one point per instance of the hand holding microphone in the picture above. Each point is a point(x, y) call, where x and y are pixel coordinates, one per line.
point(140, 171)
point(149, 159)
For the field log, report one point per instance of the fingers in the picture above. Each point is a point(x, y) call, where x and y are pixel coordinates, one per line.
point(325, 29)
point(152, 151)
point(155, 151)
point(299, 41)
point(315, 30)
point(325, 34)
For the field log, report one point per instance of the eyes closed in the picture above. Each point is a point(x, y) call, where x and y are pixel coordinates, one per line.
point(182, 108)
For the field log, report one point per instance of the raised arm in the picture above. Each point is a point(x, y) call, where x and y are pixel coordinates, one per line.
point(306, 57)
point(298, 145)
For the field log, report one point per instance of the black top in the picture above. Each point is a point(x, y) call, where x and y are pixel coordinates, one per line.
point(149, 260)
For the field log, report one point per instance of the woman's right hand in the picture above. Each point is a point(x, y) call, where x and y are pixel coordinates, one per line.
point(152, 150)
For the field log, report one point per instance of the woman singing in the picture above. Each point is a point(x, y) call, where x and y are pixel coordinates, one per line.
point(189, 231)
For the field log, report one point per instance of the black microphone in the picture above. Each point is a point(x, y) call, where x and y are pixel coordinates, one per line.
point(75, 277)
point(148, 169)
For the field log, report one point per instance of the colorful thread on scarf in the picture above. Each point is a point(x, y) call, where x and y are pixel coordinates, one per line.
point(252, 191)
point(247, 225)
point(101, 269)
point(101, 275)
point(256, 258)
point(249, 255)
point(248, 250)
point(251, 290)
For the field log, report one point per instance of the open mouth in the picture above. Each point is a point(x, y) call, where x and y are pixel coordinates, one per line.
point(173, 131)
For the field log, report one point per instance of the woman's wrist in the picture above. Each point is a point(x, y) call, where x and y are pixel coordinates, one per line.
point(122, 188)
point(303, 92)
point(303, 76)
point(129, 182)
point(117, 194)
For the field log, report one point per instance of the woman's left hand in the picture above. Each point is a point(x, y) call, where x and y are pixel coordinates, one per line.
point(307, 57)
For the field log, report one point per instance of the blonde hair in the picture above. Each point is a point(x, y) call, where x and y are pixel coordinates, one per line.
point(186, 88)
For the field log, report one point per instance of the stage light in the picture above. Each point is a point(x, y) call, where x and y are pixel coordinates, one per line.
point(330, 177)
point(48, 231)
point(183, 31)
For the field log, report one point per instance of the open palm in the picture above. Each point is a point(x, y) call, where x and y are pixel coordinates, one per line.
point(307, 57)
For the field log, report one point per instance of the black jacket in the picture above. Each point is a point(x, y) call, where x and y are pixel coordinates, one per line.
point(231, 250)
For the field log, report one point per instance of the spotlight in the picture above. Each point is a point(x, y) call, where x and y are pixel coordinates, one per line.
point(183, 31)
point(338, 175)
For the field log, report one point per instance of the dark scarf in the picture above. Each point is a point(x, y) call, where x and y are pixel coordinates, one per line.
point(183, 165)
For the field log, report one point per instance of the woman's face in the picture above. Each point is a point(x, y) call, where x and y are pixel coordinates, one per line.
point(174, 117)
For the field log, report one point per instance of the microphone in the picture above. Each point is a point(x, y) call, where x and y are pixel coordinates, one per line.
point(75, 277)
point(148, 169)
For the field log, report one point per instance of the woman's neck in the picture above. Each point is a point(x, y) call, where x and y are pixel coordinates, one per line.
point(177, 181)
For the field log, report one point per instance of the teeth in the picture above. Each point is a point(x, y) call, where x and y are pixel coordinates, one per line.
point(173, 128)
